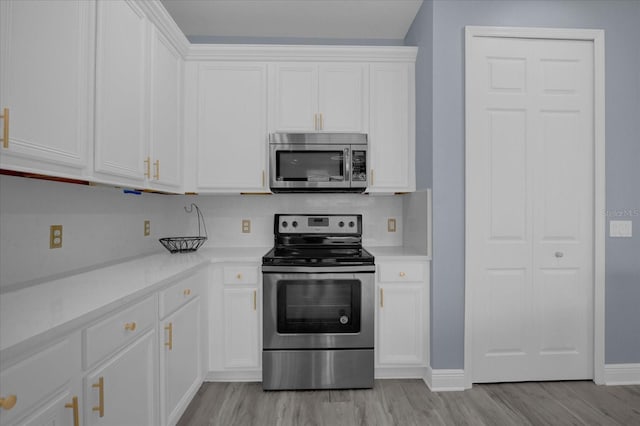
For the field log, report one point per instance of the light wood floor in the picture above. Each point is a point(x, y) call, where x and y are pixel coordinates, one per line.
point(409, 402)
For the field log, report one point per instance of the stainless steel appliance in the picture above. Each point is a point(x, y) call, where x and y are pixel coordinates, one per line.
point(318, 304)
point(318, 162)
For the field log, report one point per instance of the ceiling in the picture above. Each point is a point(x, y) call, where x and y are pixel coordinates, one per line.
point(331, 19)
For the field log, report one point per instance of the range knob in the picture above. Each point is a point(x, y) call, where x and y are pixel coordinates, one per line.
point(341, 224)
point(351, 224)
point(294, 224)
point(285, 224)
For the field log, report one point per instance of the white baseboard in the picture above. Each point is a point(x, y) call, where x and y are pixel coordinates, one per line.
point(233, 376)
point(621, 374)
point(444, 380)
point(400, 372)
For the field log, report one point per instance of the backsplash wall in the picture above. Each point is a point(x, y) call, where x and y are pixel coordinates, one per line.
point(224, 214)
point(103, 225)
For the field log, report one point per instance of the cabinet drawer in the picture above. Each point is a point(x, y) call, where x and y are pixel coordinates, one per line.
point(178, 294)
point(240, 274)
point(106, 336)
point(401, 271)
point(37, 377)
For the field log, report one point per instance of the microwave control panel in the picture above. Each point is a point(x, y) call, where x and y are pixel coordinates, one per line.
point(359, 166)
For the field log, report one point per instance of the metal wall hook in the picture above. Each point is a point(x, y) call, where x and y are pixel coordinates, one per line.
point(189, 209)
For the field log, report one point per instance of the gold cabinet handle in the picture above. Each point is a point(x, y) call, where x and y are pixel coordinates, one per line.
point(9, 402)
point(263, 178)
point(187, 291)
point(156, 167)
point(100, 407)
point(321, 122)
point(147, 163)
point(402, 274)
point(239, 276)
point(255, 299)
point(169, 343)
point(5, 132)
point(382, 298)
point(74, 406)
point(315, 121)
point(130, 326)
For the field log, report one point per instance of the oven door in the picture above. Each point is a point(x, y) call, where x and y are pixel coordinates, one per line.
point(300, 167)
point(318, 310)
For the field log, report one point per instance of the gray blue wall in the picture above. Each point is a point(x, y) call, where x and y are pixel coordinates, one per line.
point(439, 27)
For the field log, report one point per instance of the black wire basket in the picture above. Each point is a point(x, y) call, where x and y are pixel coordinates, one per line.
point(187, 244)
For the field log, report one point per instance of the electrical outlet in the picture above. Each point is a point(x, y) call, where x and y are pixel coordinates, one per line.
point(147, 228)
point(246, 226)
point(55, 236)
point(391, 224)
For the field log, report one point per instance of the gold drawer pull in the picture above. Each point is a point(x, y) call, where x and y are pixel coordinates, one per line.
point(130, 326)
point(9, 402)
point(74, 406)
point(402, 274)
point(5, 133)
point(169, 328)
point(187, 291)
point(100, 387)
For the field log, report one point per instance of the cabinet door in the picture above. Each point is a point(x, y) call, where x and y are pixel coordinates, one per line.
point(180, 360)
point(232, 127)
point(391, 124)
point(128, 387)
point(60, 411)
point(341, 97)
point(166, 110)
point(401, 332)
point(296, 98)
point(46, 61)
point(121, 82)
point(241, 328)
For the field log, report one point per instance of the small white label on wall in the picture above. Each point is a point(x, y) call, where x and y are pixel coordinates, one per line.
point(620, 228)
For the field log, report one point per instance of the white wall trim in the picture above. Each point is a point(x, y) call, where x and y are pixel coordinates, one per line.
point(621, 374)
point(400, 372)
point(445, 380)
point(597, 37)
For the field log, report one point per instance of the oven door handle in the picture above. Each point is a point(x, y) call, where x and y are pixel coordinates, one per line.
point(319, 269)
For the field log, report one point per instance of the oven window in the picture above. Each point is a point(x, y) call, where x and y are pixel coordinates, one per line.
point(319, 306)
point(310, 166)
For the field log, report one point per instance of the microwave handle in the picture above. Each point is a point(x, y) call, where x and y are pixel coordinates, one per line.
point(347, 165)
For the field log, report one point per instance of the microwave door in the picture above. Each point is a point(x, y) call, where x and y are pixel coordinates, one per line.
point(319, 167)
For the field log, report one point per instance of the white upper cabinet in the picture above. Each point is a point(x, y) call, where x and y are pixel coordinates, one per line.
point(392, 128)
point(46, 66)
point(310, 97)
point(121, 89)
point(231, 127)
point(163, 165)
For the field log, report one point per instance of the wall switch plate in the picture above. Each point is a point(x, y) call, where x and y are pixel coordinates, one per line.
point(391, 224)
point(620, 228)
point(55, 236)
point(147, 228)
point(246, 226)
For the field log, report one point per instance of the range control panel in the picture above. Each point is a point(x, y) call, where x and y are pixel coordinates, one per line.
point(318, 224)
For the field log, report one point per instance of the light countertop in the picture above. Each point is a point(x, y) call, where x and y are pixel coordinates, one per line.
point(64, 303)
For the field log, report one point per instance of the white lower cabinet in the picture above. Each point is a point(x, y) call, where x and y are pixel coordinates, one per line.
point(180, 347)
point(40, 387)
point(402, 318)
point(236, 344)
point(121, 391)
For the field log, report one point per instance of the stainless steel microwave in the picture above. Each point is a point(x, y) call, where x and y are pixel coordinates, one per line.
point(318, 162)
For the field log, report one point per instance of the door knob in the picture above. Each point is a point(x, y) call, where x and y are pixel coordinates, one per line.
point(559, 254)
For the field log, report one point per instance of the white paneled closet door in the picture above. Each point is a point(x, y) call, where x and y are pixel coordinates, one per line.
point(530, 208)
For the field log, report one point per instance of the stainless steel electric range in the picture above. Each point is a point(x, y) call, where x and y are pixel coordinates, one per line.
point(318, 297)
